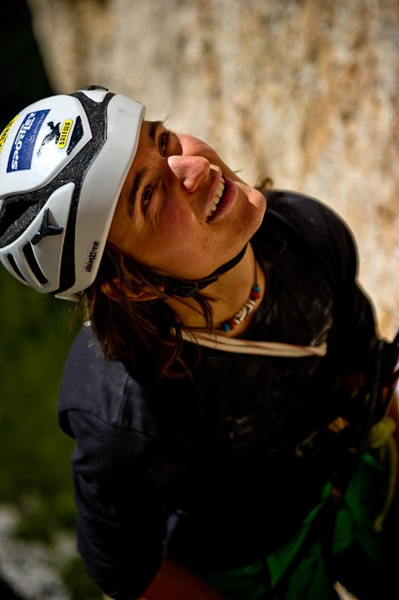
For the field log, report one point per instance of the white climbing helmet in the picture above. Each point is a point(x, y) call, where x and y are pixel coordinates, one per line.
point(63, 162)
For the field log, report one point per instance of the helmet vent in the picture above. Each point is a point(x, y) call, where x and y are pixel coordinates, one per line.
point(32, 262)
point(77, 135)
point(14, 267)
point(15, 216)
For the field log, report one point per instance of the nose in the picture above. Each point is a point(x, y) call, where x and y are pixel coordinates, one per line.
point(191, 170)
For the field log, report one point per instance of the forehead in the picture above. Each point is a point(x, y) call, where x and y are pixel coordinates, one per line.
point(146, 144)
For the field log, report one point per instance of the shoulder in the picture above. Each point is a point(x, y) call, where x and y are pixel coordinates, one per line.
point(303, 213)
point(115, 420)
point(97, 388)
point(106, 395)
point(309, 225)
point(88, 375)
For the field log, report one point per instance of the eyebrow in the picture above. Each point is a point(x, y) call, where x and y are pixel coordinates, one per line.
point(154, 125)
point(135, 188)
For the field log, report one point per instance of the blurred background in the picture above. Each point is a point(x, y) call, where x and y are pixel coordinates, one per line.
point(303, 91)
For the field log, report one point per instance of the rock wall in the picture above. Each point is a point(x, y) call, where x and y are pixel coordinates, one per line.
point(303, 91)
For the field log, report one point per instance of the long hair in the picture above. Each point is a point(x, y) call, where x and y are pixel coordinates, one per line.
point(144, 335)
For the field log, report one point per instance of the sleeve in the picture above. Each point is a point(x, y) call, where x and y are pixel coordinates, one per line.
point(121, 513)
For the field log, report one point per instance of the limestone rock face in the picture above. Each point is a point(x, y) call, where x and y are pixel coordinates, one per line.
point(303, 91)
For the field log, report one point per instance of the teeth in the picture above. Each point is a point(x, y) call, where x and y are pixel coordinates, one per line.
point(218, 195)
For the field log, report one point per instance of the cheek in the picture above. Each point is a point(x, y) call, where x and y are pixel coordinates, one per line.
point(172, 237)
point(119, 232)
point(176, 217)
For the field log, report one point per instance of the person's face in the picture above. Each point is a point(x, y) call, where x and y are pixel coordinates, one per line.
point(182, 210)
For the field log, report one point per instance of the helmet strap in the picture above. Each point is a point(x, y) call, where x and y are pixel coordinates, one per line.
point(186, 288)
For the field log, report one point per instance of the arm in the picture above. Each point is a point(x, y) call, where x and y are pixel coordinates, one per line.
point(121, 544)
point(119, 526)
point(120, 521)
point(119, 491)
point(174, 582)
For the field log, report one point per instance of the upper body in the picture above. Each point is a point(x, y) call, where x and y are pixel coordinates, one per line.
point(203, 468)
point(178, 453)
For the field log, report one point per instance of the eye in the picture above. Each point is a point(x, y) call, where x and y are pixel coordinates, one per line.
point(146, 197)
point(168, 143)
point(163, 142)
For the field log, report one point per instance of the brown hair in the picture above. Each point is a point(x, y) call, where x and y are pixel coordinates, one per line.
point(130, 330)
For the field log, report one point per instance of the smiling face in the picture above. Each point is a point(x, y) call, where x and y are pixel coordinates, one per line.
point(182, 210)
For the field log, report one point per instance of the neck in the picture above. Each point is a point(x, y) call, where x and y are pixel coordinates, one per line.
point(229, 292)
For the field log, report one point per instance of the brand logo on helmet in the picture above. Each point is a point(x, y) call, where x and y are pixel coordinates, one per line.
point(23, 145)
point(92, 257)
point(53, 135)
point(65, 129)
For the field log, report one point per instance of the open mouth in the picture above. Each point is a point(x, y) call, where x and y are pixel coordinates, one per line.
point(216, 200)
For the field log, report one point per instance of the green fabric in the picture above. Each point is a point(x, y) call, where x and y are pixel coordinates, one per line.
point(309, 581)
point(278, 562)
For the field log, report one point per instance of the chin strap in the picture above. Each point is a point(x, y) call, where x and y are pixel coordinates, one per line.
point(186, 288)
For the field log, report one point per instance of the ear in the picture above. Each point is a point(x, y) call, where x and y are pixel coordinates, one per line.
point(143, 295)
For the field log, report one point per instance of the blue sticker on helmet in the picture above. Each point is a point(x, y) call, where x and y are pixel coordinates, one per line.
point(24, 143)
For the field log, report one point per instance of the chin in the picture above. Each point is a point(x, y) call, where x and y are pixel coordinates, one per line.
point(256, 198)
point(252, 216)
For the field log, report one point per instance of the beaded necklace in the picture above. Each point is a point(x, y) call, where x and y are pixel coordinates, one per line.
point(246, 309)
